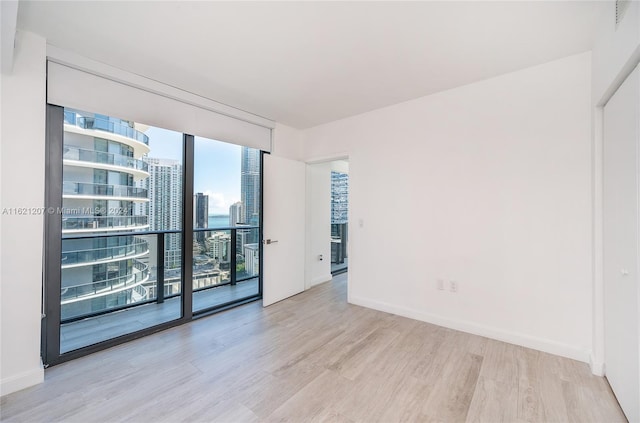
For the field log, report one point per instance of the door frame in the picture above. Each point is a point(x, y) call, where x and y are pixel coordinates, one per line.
point(350, 227)
point(621, 242)
point(597, 356)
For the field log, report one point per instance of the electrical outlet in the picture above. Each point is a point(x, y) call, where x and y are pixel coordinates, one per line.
point(453, 286)
point(440, 285)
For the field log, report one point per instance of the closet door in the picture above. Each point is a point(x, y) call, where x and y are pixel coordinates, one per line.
point(621, 135)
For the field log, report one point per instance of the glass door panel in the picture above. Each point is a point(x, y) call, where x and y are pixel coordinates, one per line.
point(121, 250)
point(226, 205)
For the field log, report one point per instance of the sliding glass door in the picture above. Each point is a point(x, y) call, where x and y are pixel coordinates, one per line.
point(131, 248)
point(226, 210)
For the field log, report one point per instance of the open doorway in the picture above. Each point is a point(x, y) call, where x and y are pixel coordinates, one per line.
point(339, 216)
point(327, 194)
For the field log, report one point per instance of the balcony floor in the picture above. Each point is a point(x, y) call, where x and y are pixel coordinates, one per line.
point(89, 331)
point(339, 267)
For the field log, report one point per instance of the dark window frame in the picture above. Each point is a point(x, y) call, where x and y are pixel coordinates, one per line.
point(51, 317)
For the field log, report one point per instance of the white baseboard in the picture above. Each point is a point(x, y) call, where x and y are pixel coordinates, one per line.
point(321, 279)
point(20, 381)
point(541, 344)
point(597, 367)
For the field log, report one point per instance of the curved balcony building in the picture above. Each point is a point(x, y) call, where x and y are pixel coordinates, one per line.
point(117, 130)
point(127, 247)
point(103, 191)
point(103, 167)
point(83, 157)
point(134, 281)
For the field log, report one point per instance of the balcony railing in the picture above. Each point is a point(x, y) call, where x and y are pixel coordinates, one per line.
point(93, 156)
point(339, 233)
point(85, 188)
point(163, 282)
point(103, 222)
point(141, 291)
point(93, 288)
point(137, 247)
point(105, 125)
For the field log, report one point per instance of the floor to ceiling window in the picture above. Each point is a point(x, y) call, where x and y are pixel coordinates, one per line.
point(226, 218)
point(152, 227)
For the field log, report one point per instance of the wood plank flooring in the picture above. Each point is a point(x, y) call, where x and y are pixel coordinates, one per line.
point(314, 357)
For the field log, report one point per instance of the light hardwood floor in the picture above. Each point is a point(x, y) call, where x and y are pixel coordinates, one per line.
point(314, 357)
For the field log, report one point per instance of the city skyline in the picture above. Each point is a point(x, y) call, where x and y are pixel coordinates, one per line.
point(128, 177)
point(167, 145)
point(217, 173)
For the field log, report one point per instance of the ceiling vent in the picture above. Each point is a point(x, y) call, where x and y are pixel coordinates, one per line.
point(621, 9)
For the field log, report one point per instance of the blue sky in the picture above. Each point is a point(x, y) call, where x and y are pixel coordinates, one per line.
point(216, 166)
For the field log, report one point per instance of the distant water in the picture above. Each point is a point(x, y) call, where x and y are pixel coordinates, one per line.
point(218, 221)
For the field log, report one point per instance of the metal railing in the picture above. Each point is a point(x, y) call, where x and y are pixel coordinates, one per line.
point(165, 279)
point(70, 223)
point(339, 233)
point(141, 290)
point(93, 288)
point(105, 125)
point(137, 247)
point(86, 188)
point(226, 249)
point(102, 157)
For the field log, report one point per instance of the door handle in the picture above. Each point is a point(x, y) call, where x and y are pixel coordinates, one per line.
point(269, 241)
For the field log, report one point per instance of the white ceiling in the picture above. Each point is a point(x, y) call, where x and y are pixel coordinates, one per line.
point(307, 63)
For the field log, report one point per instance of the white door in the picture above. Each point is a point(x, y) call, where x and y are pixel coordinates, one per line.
point(283, 229)
point(621, 135)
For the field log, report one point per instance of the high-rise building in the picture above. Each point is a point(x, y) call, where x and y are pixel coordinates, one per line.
point(219, 246)
point(165, 204)
point(236, 217)
point(165, 193)
point(250, 185)
point(251, 258)
point(102, 167)
point(200, 214)
point(339, 197)
point(243, 237)
point(236, 214)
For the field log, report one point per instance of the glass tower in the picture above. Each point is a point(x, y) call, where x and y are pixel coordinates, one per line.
point(250, 185)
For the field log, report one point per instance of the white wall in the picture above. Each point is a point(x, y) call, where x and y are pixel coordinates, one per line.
point(286, 142)
point(22, 169)
point(341, 166)
point(488, 185)
point(318, 222)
